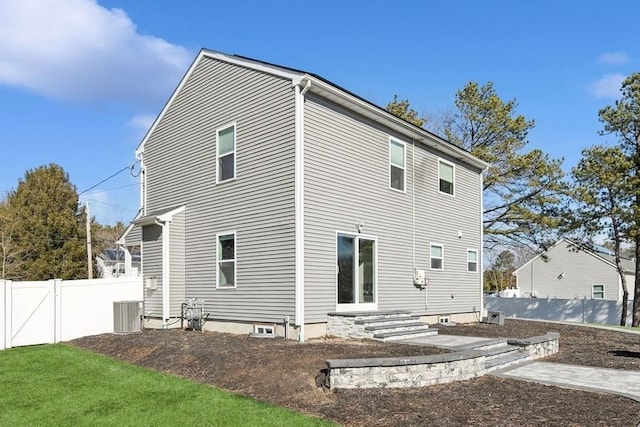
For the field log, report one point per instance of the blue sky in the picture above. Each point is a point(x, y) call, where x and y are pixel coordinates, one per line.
point(81, 80)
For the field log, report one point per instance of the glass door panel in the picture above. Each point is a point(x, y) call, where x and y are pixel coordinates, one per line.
point(346, 246)
point(366, 270)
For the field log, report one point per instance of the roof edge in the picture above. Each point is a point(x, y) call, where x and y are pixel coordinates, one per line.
point(352, 101)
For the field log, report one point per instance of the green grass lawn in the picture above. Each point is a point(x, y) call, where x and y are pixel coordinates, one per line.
point(61, 385)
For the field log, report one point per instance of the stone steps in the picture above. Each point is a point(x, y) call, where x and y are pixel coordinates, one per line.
point(389, 325)
point(387, 320)
point(403, 335)
point(506, 360)
point(498, 352)
point(404, 326)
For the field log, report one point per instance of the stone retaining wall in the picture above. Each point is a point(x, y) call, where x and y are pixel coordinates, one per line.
point(421, 371)
point(396, 372)
point(538, 347)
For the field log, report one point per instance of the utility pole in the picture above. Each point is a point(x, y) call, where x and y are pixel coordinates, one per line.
point(89, 257)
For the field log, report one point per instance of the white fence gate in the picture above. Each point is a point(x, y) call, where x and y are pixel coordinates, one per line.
point(56, 310)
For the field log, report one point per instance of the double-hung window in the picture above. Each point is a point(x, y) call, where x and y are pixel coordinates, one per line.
point(472, 260)
point(597, 291)
point(226, 153)
point(397, 157)
point(445, 177)
point(226, 263)
point(437, 257)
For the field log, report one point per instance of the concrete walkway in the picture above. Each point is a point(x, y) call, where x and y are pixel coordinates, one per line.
point(602, 380)
point(616, 381)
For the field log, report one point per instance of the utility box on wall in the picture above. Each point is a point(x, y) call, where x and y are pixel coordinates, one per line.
point(127, 317)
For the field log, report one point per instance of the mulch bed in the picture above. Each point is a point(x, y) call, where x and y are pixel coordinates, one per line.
point(282, 372)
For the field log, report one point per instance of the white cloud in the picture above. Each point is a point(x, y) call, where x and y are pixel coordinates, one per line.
point(142, 122)
point(140, 125)
point(608, 86)
point(613, 58)
point(79, 50)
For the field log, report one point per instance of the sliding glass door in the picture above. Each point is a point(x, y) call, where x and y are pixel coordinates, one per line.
point(357, 272)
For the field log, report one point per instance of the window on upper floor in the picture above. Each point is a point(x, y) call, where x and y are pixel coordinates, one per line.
point(597, 291)
point(437, 256)
point(472, 260)
point(446, 177)
point(226, 264)
point(226, 153)
point(397, 157)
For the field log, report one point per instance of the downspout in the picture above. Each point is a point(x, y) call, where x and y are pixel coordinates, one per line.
point(143, 205)
point(299, 206)
point(165, 272)
point(413, 208)
point(481, 260)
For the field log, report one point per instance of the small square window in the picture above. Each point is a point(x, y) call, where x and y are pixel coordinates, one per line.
point(597, 291)
point(226, 264)
point(437, 257)
point(396, 165)
point(226, 153)
point(446, 177)
point(263, 329)
point(472, 260)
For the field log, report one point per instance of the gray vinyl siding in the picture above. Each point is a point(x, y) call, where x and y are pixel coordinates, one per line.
point(581, 270)
point(177, 264)
point(347, 180)
point(134, 237)
point(180, 161)
point(152, 267)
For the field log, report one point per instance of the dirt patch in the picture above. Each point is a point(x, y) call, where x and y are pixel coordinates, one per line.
point(282, 372)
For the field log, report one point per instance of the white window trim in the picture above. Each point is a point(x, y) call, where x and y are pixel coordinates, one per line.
point(477, 260)
point(593, 290)
point(431, 245)
point(235, 158)
point(453, 172)
point(404, 168)
point(266, 329)
point(235, 260)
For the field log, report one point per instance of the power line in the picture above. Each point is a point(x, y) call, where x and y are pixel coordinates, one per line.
point(111, 205)
point(116, 188)
point(129, 167)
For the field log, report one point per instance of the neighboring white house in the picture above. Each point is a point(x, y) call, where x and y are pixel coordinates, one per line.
point(569, 270)
point(113, 263)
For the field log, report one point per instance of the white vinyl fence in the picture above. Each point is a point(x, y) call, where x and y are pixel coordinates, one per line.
point(57, 310)
point(568, 310)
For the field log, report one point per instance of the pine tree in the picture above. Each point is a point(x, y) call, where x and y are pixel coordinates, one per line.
point(623, 121)
point(47, 235)
point(602, 202)
point(523, 190)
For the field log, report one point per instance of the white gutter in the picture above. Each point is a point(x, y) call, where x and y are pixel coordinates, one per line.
point(143, 184)
point(299, 207)
point(481, 260)
point(165, 272)
point(413, 208)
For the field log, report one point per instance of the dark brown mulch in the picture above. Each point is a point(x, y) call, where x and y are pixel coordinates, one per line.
point(283, 373)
